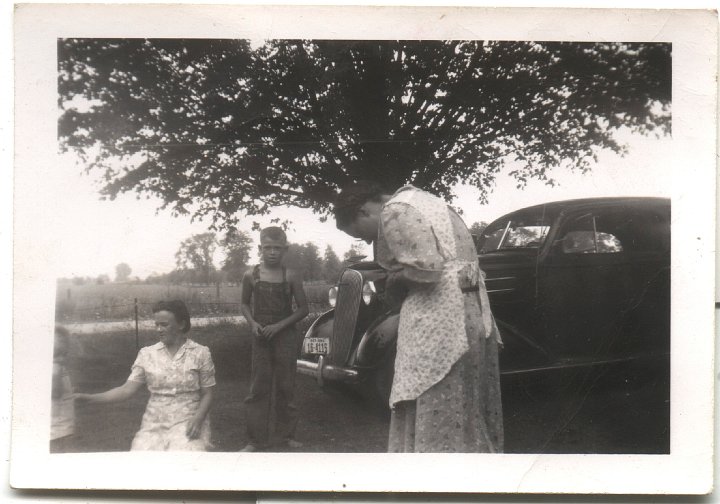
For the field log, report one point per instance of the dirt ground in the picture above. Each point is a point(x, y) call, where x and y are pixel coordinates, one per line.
point(611, 410)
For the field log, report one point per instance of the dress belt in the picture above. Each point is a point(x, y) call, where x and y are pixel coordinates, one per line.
point(467, 290)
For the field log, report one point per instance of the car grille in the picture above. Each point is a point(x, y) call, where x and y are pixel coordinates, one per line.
point(346, 313)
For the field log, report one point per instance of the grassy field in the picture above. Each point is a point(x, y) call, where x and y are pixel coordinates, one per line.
point(115, 301)
point(103, 361)
point(331, 420)
point(614, 410)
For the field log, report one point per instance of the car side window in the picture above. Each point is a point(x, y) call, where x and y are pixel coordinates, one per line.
point(515, 234)
point(589, 234)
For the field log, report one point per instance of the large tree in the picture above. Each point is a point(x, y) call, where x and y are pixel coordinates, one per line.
point(122, 272)
point(305, 258)
point(196, 254)
point(236, 245)
point(214, 127)
point(331, 265)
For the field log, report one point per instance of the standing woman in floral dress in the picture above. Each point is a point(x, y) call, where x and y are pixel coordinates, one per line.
point(180, 376)
point(445, 394)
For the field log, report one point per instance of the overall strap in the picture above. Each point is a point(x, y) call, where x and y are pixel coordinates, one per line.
point(256, 273)
point(286, 285)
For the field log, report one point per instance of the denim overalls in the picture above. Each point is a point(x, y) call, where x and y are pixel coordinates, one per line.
point(273, 362)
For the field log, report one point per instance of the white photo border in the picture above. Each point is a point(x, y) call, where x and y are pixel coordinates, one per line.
point(688, 468)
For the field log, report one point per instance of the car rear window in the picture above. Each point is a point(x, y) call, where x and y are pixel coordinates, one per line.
point(613, 230)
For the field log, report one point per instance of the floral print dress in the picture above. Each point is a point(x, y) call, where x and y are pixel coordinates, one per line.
point(446, 390)
point(174, 383)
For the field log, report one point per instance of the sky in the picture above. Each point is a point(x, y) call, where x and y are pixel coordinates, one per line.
point(93, 236)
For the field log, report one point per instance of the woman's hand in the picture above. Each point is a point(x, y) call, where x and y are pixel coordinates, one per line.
point(269, 331)
point(193, 428)
point(394, 279)
point(396, 288)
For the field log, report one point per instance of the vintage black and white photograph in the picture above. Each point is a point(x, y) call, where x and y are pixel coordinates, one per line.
point(280, 247)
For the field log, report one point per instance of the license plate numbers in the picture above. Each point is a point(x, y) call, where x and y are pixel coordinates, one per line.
point(317, 346)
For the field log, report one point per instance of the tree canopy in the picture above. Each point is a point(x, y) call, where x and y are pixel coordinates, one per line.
point(331, 267)
point(122, 272)
point(196, 254)
point(236, 246)
point(217, 127)
point(306, 259)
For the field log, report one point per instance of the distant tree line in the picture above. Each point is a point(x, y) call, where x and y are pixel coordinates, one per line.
point(195, 261)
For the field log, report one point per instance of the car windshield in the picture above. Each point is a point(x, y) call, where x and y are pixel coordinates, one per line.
point(520, 231)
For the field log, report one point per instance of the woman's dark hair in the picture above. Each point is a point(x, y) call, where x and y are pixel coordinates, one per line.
point(178, 309)
point(352, 197)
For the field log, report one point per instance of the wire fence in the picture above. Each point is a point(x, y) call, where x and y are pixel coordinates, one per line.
point(67, 312)
point(143, 311)
point(96, 305)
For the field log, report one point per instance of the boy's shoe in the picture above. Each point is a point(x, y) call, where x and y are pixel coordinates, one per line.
point(250, 448)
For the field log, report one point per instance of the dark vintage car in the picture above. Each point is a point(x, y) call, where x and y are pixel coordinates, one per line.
point(572, 284)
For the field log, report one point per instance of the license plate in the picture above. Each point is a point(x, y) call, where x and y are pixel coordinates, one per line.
point(317, 346)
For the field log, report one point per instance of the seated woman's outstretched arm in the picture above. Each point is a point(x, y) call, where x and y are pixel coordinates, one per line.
point(121, 393)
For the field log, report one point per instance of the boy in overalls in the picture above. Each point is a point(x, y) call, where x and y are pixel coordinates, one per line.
point(271, 288)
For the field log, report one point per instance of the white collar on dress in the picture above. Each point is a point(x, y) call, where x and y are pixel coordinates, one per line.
point(188, 344)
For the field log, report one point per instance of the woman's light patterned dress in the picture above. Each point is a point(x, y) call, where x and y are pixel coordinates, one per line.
point(446, 391)
point(174, 383)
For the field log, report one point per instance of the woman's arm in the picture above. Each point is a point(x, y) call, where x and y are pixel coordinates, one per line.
point(413, 244)
point(195, 424)
point(121, 393)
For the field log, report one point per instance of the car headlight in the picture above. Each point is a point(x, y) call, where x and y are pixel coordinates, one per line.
point(332, 296)
point(368, 292)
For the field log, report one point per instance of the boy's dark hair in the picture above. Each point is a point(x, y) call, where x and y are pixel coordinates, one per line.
point(178, 309)
point(352, 197)
point(273, 233)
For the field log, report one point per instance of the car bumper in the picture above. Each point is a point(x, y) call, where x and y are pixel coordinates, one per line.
point(321, 371)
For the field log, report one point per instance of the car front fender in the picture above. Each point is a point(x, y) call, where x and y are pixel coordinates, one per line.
point(322, 327)
point(378, 340)
point(321, 367)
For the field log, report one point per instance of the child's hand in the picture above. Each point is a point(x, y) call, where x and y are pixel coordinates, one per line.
point(255, 328)
point(192, 431)
point(269, 331)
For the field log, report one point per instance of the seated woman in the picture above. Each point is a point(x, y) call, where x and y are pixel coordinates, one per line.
point(180, 376)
